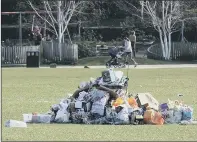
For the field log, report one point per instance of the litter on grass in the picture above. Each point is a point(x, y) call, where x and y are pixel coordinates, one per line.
point(105, 100)
point(15, 123)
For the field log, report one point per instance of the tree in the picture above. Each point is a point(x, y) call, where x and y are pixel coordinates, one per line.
point(163, 15)
point(189, 17)
point(91, 13)
point(60, 13)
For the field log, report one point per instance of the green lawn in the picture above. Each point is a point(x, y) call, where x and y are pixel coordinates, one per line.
point(34, 90)
point(101, 60)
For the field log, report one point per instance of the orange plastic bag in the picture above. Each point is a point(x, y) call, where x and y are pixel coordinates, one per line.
point(118, 102)
point(153, 117)
point(132, 102)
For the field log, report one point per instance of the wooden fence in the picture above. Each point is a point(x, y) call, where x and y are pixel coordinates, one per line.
point(179, 51)
point(15, 54)
point(51, 52)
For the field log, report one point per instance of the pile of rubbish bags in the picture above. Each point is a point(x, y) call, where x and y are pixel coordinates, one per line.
point(105, 100)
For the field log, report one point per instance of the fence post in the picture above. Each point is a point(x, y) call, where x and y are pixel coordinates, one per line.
point(172, 51)
point(20, 29)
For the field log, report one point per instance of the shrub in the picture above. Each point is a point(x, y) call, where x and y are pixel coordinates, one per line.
point(86, 49)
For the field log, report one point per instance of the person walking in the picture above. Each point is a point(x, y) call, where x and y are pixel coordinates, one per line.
point(133, 42)
point(128, 50)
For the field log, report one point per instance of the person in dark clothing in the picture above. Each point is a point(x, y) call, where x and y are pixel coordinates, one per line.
point(38, 39)
point(37, 36)
point(30, 36)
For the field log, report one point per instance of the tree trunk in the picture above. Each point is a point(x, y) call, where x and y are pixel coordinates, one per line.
point(45, 27)
point(162, 44)
point(169, 45)
point(59, 28)
point(165, 44)
point(182, 31)
point(62, 28)
point(163, 30)
point(79, 31)
point(169, 37)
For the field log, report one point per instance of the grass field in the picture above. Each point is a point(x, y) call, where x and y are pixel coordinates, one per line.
point(34, 90)
point(101, 60)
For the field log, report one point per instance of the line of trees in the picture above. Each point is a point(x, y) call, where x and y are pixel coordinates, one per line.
point(166, 17)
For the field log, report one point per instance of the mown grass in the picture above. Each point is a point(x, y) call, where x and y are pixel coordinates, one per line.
point(34, 90)
point(101, 60)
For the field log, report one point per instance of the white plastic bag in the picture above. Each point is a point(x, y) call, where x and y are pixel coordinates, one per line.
point(27, 118)
point(63, 106)
point(82, 95)
point(62, 117)
point(123, 114)
point(119, 75)
point(171, 104)
point(15, 123)
point(83, 84)
point(98, 106)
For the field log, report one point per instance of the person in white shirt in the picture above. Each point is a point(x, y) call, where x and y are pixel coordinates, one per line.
point(128, 50)
point(133, 42)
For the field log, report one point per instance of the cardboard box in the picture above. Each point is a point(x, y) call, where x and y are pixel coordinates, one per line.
point(146, 98)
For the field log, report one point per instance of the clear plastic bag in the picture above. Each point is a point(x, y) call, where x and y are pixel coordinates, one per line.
point(169, 117)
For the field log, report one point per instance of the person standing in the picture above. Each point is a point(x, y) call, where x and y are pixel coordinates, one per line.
point(133, 42)
point(128, 50)
point(36, 32)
